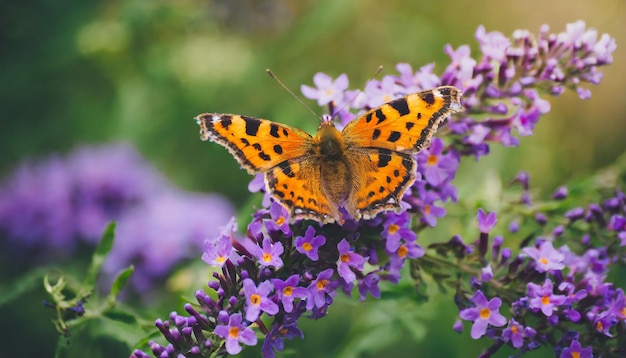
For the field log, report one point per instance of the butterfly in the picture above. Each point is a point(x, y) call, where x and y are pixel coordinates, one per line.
point(361, 171)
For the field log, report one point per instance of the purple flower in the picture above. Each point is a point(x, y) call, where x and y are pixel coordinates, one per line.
point(257, 299)
point(379, 93)
point(493, 44)
point(234, 333)
point(543, 298)
point(546, 257)
point(575, 350)
point(327, 90)
point(348, 260)
point(436, 166)
point(288, 290)
point(280, 219)
point(275, 338)
point(269, 255)
point(218, 250)
point(369, 284)
point(514, 333)
point(483, 314)
point(319, 289)
point(310, 243)
point(396, 229)
point(421, 80)
point(486, 222)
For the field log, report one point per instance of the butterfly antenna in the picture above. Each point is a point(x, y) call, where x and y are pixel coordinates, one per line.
point(358, 92)
point(273, 75)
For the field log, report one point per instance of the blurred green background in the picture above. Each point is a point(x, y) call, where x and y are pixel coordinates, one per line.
point(88, 72)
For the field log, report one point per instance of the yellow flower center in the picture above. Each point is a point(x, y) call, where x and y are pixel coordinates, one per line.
point(393, 228)
point(427, 209)
point(267, 257)
point(599, 326)
point(255, 299)
point(233, 332)
point(402, 251)
point(514, 329)
point(345, 258)
point(575, 354)
point(432, 160)
point(280, 220)
point(321, 284)
point(545, 300)
point(307, 246)
point(485, 313)
point(543, 260)
point(220, 259)
point(288, 291)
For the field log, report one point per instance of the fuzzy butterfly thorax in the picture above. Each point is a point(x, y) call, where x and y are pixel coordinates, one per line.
point(364, 169)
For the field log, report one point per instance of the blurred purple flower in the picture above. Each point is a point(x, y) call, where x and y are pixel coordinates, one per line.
point(546, 257)
point(328, 90)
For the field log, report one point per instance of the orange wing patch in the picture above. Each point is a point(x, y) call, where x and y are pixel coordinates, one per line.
point(257, 144)
point(406, 124)
point(384, 176)
point(296, 184)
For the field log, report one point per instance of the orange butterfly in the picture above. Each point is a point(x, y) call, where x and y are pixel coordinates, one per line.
point(365, 168)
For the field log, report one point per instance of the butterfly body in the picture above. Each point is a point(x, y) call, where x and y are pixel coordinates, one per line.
point(364, 169)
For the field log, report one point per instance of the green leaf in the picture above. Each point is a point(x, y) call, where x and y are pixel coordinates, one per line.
point(120, 282)
point(102, 250)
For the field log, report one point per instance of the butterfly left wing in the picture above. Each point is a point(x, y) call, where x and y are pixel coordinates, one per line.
point(382, 176)
point(257, 144)
point(405, 124)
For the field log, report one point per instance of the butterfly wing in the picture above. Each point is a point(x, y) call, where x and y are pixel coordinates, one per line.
point(296, 184)
point(257, 144)
point(405, 124)
point(381, 177)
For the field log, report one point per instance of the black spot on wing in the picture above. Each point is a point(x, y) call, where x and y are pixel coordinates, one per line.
point(274, 130)
point(429, 98)
point(400, 105)
point(376, 134)
point(226, 121)
point(419, 115)
point(285, 167)
point(264, 156)
point(368, 118)
point(278, 149)
point(380, 115)
point(245, 142)
point(394, 136)
point(252, 125)
point(409, 125)
point(257, 146)
point(384, 157)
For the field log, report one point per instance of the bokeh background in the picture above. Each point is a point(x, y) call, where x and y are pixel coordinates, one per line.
point(76, 73)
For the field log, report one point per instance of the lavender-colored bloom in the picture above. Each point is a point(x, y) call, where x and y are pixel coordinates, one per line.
point(320, 288)
point(396, 228)
point(310, 243)
point(458, 326)
point(514, 333)
point(257, 299)
point(348, 260)
point(461, 67)
point(560, 193)
point(575, 350)
point(486, 273)
point(483, 314)
point(543, 298)
point(421, 80)
point(235, 333)
point(486, 222)
point(280, 219)
point(379, 93)
point(219, 249)
point(289, 290)
point(369, 284)
point(327, 90)
point(493, 44)
point(436, 166)
point(430, 212)
point(546, 257)
point(575, 214)
point(275, 338)
point(269, 254)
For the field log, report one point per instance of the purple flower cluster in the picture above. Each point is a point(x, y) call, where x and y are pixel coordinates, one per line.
point(566, 300)
point(47, 208)
point(282, 270)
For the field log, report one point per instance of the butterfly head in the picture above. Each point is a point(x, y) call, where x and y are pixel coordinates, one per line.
point(326, 120)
